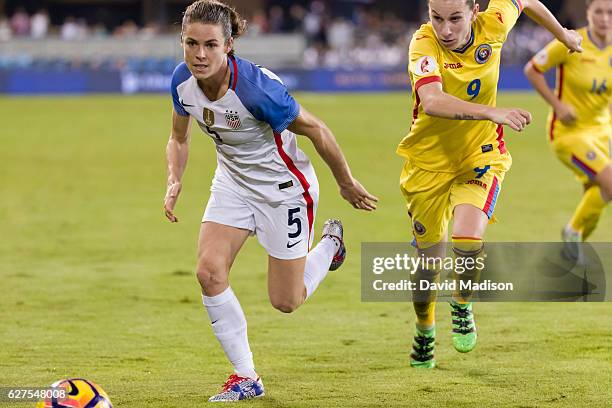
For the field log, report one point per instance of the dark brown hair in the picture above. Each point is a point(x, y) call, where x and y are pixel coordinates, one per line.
point(215, 12)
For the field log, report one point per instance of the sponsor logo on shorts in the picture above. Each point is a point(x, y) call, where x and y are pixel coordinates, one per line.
point(477, 183)
point(483, 53)
point(500, 17)
point(591, 155)
point(487, 148)
point(481, 171)
point(419, 228)
point(292, 244)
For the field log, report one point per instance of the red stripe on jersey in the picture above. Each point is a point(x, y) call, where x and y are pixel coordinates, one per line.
point(535, 67)
point(300, 176)
point(235, 81)
point(417, 102)
point(521, 7)
point(559, 95)
point(425, 81)
point(500, 139)
point(415, 111)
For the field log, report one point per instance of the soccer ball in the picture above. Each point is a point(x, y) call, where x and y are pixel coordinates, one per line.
point(78, 393)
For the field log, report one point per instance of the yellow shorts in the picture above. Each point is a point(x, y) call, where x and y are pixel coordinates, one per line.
point(585, 154)
point(431, 196)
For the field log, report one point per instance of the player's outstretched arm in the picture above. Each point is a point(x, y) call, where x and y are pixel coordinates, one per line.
point(535, 10)
point(565, 113)
point(438, 103)
point(177, 152)
point(323, 139)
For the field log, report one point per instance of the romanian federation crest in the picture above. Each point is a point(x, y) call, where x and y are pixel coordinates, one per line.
point(232, 119)
point(483, 53)
point(209, 117)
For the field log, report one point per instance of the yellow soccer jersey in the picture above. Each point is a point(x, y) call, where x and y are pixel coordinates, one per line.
point(471, 74)
point(584, 81)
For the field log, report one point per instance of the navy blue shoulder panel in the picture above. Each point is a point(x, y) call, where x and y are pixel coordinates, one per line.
point(266, 98)
point(181, 74)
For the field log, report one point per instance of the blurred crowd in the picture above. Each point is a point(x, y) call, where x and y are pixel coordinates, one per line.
point(38, 26)
point(367, 37)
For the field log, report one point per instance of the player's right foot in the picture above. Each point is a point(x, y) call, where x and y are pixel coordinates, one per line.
point(239, 388)
point(464, 327)
point(423, 345)
point(333, 229)
point(572, 248)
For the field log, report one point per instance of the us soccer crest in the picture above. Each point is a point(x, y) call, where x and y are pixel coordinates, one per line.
point(209, 117)
point(232, 119)
point(483, 53)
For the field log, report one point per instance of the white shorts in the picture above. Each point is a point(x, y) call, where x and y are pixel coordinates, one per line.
point(285, 229)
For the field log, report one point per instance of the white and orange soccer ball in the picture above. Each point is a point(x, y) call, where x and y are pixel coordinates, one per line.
point(76, 393)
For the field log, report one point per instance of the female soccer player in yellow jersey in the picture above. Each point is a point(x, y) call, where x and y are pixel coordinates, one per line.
point(579, 128)
point(455, 153)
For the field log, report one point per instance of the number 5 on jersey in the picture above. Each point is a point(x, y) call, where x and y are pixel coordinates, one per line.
point(292, 220)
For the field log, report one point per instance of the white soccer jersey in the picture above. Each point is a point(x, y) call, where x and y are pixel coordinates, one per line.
point(248, 125)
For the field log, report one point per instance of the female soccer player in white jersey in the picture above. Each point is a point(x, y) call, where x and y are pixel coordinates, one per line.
point(455, 153)
point(264, 185)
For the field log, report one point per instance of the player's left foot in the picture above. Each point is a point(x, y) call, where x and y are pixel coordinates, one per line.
point(464, 327)
point(239, 388)
point(423, 345)
point(333, 229)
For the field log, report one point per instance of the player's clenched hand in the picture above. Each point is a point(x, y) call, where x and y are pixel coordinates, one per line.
point(358, 196)
point(566, 113)
point(516, 118)
point(572, 40)
point(172, 193)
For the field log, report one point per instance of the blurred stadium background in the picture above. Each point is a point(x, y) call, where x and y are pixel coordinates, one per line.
point(95, 283)
point(132, 46)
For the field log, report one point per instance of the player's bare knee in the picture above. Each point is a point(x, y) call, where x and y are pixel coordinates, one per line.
point(285, 304)
point(606, 192)
point(211, 272)
point(604, 180)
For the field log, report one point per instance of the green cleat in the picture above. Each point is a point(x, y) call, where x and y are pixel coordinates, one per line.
point(464, 327)
point(423, 345)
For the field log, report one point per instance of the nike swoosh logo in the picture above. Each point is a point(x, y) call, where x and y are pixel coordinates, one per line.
point(185, 104)
point(289, 245)
point(215, 321)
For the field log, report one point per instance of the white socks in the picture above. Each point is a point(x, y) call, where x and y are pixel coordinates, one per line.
point(317, 263)
point(230, 328)
point(227, 317)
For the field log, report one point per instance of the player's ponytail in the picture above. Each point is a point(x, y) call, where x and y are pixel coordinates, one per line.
point(215, 12)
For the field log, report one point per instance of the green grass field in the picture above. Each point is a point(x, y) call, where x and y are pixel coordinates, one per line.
point(95, 282)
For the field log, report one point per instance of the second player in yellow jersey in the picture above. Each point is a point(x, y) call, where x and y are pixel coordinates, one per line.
point(579, 127)
point(455, 154)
